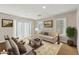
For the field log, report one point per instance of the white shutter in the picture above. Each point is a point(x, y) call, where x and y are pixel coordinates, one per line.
point(61, 26)
point(23, 29)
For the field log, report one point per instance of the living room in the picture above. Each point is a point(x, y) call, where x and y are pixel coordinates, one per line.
point(41, 31)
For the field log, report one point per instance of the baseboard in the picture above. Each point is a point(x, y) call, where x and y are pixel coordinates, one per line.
point(64, 42)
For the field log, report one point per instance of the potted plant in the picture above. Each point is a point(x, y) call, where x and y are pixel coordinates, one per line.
point(71, 33)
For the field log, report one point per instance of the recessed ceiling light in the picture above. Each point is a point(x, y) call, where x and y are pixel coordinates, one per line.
point(44, 7)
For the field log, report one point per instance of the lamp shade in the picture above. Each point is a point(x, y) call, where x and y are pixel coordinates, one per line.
point(36, 29)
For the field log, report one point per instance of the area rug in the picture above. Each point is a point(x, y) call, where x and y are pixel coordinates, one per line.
point(35, 47)
point(48, 48)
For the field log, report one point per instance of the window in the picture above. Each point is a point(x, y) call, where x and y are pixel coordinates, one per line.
point(61, 26)
point(39, 25)
point(23, 29)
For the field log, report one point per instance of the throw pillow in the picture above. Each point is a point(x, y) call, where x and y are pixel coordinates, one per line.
point(7, 37)
point(37, 39)
point(46, 33)
point(15, 39)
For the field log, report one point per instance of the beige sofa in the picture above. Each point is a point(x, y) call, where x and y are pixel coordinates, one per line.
point(48, 38)
point(53, 38)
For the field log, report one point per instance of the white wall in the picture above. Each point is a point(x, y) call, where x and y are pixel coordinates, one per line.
point(78, 30)
point(9, 30)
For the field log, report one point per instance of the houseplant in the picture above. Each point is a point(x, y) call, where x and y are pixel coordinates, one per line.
point(71, 33)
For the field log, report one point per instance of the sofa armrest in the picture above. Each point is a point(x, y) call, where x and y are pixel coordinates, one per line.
point(55, 37)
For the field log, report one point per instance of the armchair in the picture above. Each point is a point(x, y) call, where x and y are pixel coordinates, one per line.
point(13, 48)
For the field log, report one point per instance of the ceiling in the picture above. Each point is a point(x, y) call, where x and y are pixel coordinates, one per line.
point(35, 11)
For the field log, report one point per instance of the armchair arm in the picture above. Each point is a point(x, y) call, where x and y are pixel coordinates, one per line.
point(9, 47)
point(29, 50)
point(32, 52)
point(27, 53)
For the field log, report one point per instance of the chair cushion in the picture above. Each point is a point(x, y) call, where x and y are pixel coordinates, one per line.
point(21, 47)
point(15, 47)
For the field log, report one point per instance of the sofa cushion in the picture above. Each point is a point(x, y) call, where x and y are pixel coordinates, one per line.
point(54, 34)
point(48, 38)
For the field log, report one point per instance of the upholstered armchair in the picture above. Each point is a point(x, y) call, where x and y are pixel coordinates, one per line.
point(13, 48)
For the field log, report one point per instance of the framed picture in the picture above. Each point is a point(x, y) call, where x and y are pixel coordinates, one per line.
point(48, 23)
point(7, 23)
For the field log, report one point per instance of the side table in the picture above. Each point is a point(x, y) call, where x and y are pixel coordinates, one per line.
point(2, 47)
point(70, 42)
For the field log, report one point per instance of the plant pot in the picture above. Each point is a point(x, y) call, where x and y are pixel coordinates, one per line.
point(70, 42)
